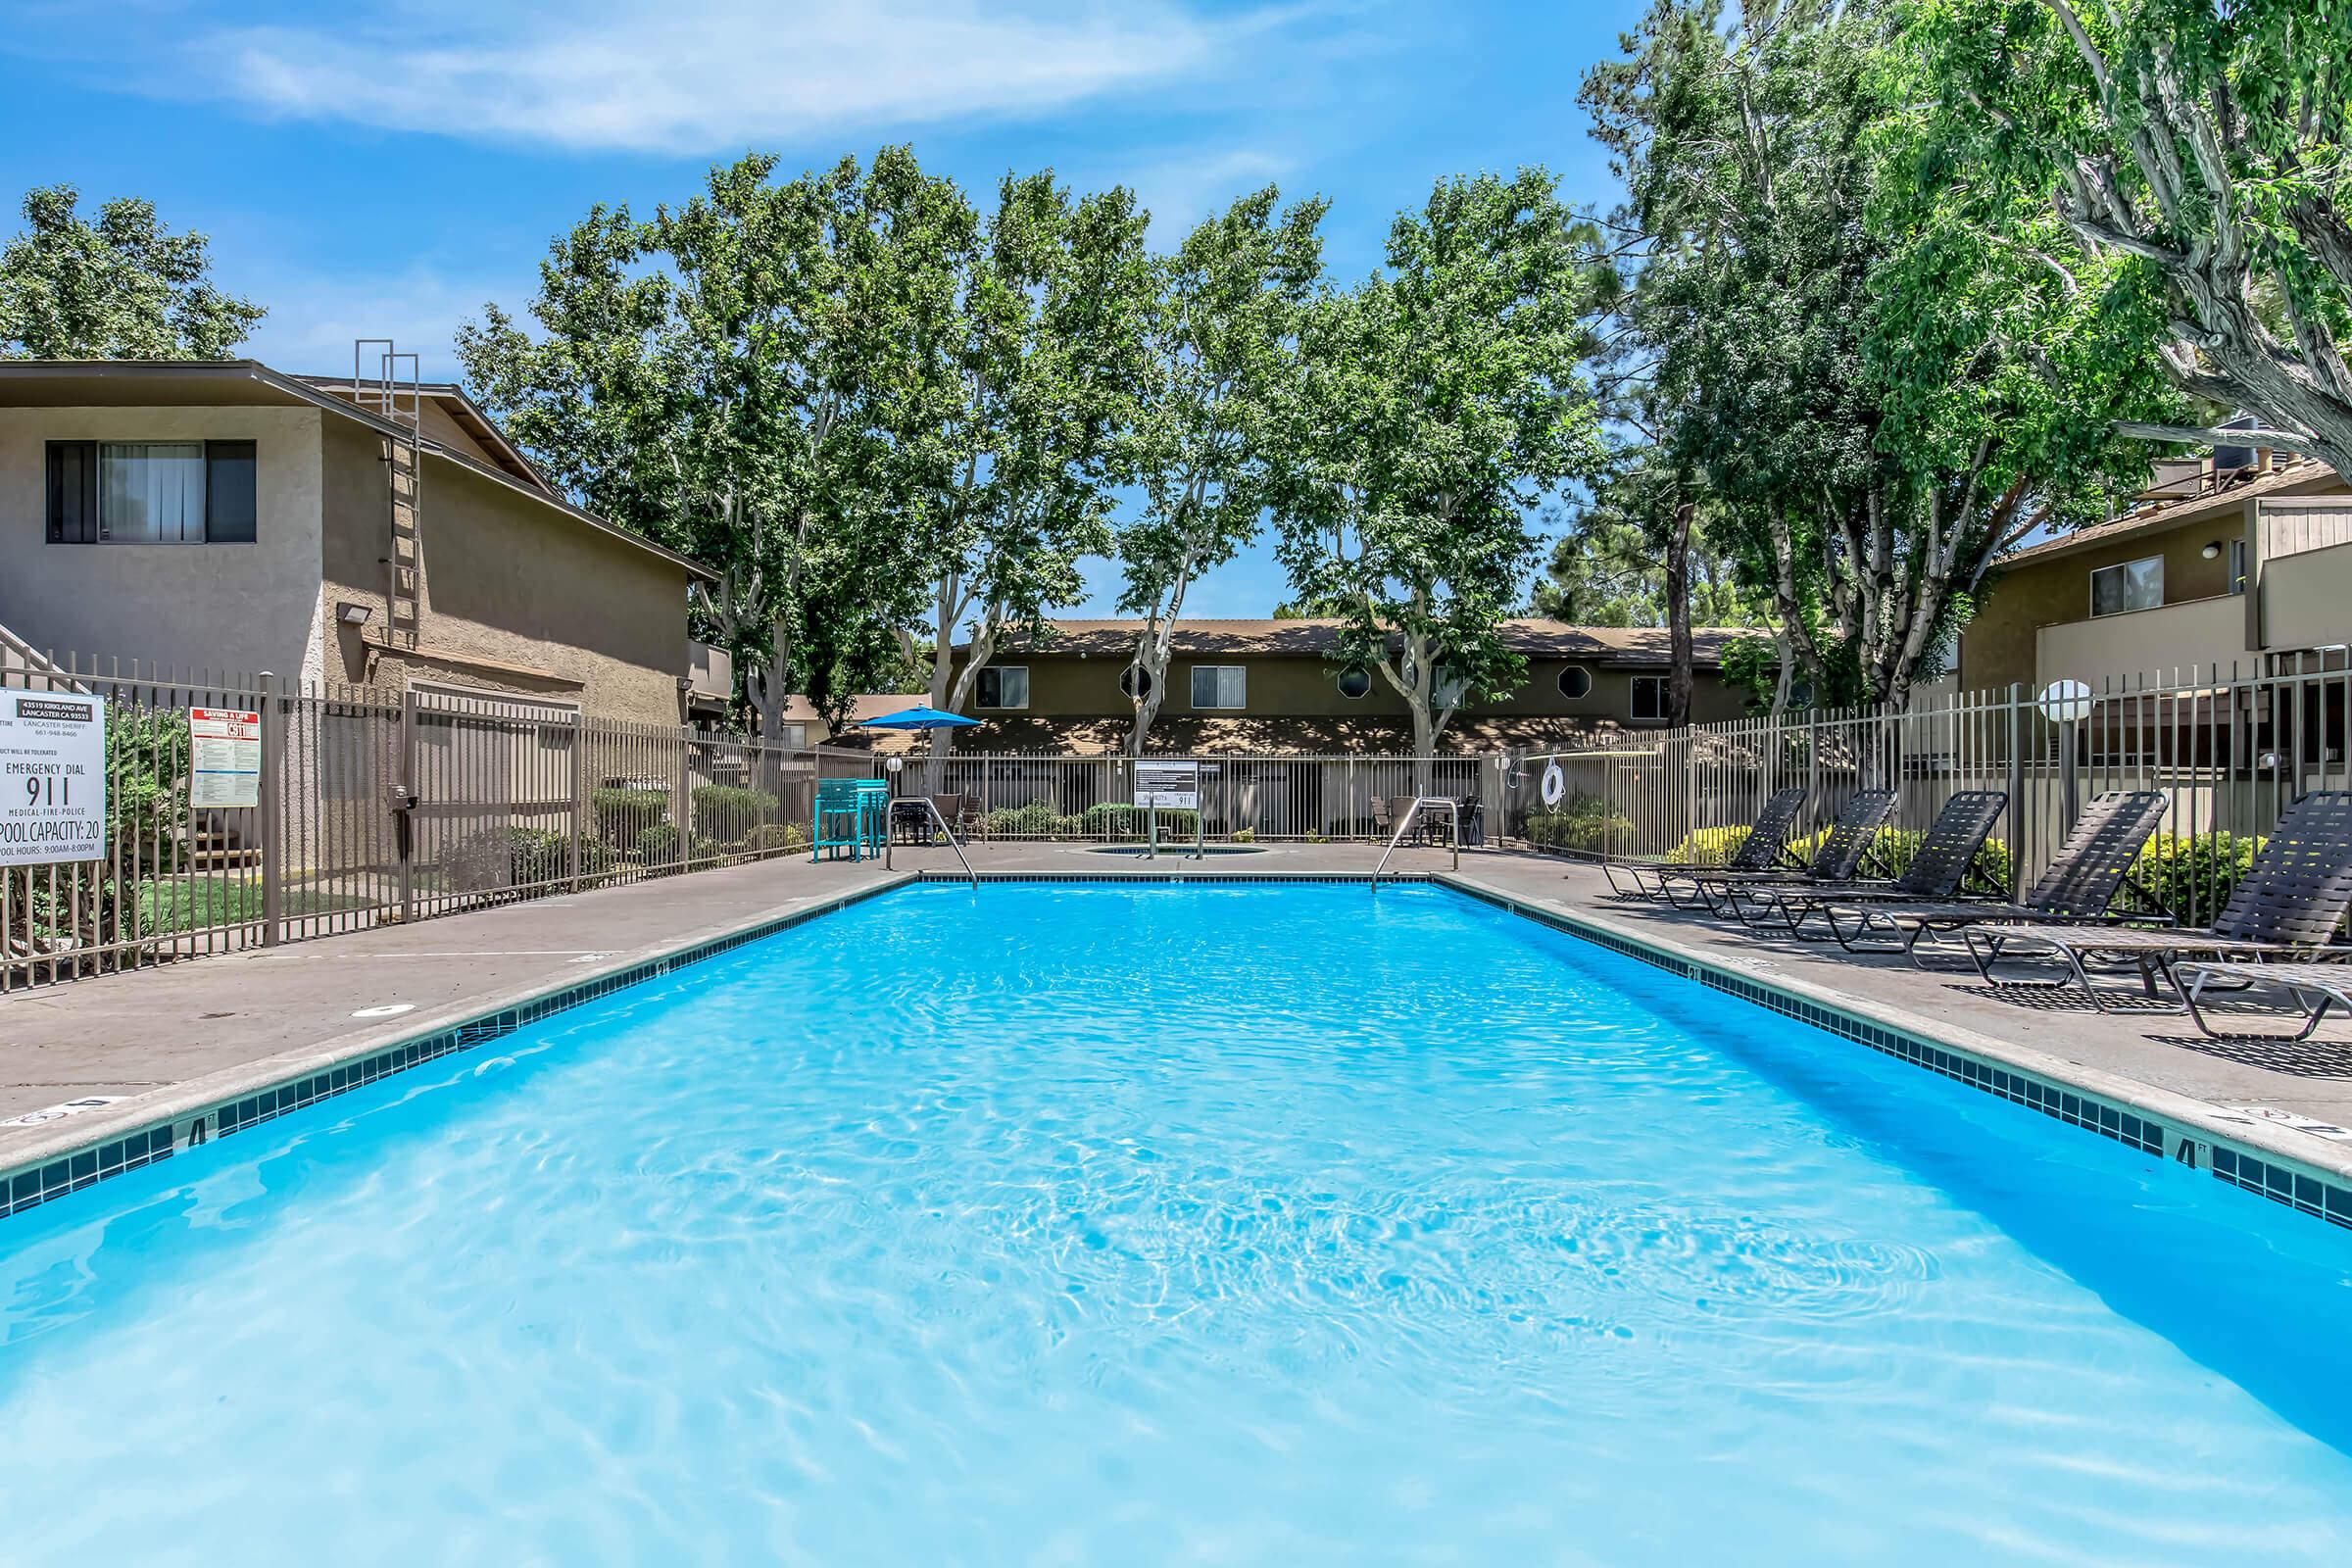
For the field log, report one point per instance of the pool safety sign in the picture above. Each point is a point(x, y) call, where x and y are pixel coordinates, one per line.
point(52, 778)
point(1175, 785)
point(227, 744)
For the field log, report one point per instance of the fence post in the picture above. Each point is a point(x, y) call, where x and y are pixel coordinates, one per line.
point(269, 801)
point(405, 818)
point(2019, 817)
point(579, 796)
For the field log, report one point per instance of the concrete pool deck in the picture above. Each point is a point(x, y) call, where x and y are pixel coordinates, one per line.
point(176, 1037)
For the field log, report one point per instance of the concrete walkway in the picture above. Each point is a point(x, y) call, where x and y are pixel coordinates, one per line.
point(216, 1027)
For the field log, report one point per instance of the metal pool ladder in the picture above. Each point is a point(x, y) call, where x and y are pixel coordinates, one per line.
point(932, 807)
point(1454, 811)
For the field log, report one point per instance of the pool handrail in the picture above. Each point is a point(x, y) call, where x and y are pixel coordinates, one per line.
point(931, 806)
point(1454, 809)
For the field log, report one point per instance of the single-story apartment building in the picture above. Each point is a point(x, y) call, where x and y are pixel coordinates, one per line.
point(1281, 687)
point(223, 515)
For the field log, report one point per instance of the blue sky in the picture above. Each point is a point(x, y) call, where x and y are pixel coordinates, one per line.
point(383, 169)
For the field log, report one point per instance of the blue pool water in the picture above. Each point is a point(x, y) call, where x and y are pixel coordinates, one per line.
point(1091, 1224)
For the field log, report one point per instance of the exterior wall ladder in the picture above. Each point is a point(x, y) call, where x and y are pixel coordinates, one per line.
point(391, 390)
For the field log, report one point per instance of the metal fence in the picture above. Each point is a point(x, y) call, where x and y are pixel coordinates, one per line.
point(2228, 751)
point(377, 806)
point(1312, 798)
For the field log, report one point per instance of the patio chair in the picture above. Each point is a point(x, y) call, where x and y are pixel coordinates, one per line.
point(1937, 874)
point(1766, 846)
point(2288, 904)
point(2079, 884)
point(1835, 859)
point(2315, 987)
point(838, 821)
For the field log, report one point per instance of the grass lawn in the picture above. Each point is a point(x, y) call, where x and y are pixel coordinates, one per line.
point(195, 904)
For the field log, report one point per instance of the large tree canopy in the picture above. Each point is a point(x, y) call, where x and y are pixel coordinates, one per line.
point(1219, 336)
point(122, 288)
point(2192, 150)
point(1436, 402)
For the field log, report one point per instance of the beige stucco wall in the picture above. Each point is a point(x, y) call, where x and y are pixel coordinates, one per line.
point(2308, 600)
point(2180, 640)
point(242, 608)
point(1067, 686)
point(2000, 644)
point(573, 614)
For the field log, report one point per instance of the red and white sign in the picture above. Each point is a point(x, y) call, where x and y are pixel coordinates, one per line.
point(227, 746)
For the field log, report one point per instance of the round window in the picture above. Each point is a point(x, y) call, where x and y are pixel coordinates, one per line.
point(1355, 682)
point(1136, 682)
point(1576, 682)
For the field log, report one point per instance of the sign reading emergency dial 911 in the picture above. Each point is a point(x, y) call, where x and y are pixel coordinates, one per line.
point(52, 778)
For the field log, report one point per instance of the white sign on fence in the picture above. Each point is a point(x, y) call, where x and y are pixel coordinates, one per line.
point(1175, 785)
point(228, 745)
point(52, 778)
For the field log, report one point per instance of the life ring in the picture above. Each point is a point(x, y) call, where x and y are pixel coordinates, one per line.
point(1556, 783)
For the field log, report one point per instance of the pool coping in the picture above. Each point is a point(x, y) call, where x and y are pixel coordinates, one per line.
point(148, 1128)
point(2311, 1177)
point(2255, 1156)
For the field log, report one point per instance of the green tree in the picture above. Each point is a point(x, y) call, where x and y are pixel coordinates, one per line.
point(1044, 345)
point(1218, 337)
point(754, 378)
point(1436, 403)
point(2188, 153)
point(1605, 570)
point(122, 288)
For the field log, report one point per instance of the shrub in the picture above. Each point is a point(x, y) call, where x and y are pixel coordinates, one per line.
point(497, 859)
point(1118, 820)
point(1035, 820)
point(1245, 835)
point(658, 845)
point(1708, 845)
point(623, 813)
point(774, 837)
point(729, 810)
point(1584, 823)
point(1893, 849)
point(2193, 874)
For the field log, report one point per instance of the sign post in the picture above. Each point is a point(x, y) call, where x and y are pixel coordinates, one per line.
point(52, 778)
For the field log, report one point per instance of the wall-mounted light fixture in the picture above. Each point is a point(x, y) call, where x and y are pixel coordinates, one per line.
point(2212, 550)
point(351, 614)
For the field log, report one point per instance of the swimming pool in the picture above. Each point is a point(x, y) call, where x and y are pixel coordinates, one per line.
point(1114, 1223)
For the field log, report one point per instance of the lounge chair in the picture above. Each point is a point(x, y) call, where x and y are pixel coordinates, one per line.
point(2286, 906)
point(1766, 844)
point(2315, 987)
point(1835, 860)
point(2079, 884)
point(1937, 874)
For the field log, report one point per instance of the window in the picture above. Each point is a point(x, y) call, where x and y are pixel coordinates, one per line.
point(1136, 682)
point(2133, 585)
point(151, 492)
point(1355, 682)
point(2237, 565)
point(1220, 686)
point(1649, 697)
point(1576, 683)
point(1005, 686)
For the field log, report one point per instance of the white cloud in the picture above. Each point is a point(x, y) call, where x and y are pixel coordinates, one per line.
point(700, 75)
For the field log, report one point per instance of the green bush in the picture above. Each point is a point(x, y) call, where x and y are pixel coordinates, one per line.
point(1708, 845)
point(658, 845)
point(774, 837)
point(730, 811)
point(623, 813)
point(1033, 819)
point(497, 859)
point(1118, 820)
point(2193, 874)
point(1245, 835)
point(1893, 849)
point(1587, 824)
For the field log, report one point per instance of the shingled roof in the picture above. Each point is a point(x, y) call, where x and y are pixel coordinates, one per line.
point(1639, 647)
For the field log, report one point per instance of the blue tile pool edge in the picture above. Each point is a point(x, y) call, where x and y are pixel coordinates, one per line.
point(2266, 1172)
point(2306, 1189)
point(30, 1183)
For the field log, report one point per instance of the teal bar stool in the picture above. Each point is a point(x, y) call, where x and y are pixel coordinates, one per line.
point(873, 814)
point(840, 820)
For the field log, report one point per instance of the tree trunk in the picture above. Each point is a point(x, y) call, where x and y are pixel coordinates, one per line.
point(1678, 614)
point(1152, 653)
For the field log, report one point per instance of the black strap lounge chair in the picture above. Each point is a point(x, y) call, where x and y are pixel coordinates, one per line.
point(1938, 873)
point(2287, 906)
point(2315, 987)
point(1765, 847)
point(1835, 859)
point(2079, 884)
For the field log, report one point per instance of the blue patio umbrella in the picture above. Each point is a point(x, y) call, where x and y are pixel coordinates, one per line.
point(917, 718)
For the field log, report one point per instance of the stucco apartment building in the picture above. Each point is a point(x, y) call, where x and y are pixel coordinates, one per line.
point(2243, 562)
point(223, 515)
point(1278, 686)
